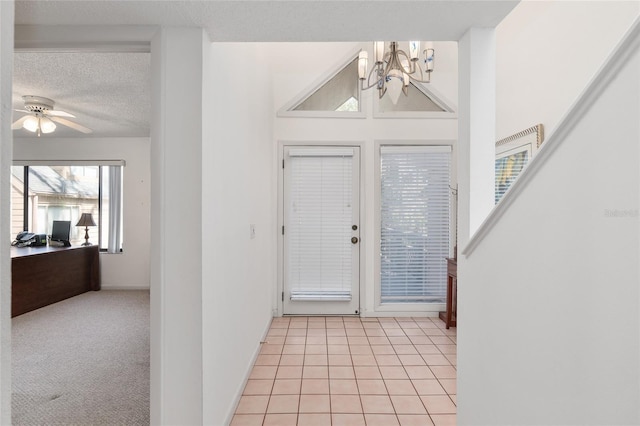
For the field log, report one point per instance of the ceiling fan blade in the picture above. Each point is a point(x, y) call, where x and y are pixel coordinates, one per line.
point(55, 113)
point(18, 123)
point(71, 124)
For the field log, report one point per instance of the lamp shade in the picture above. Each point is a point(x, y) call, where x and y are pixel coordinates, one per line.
point(394, 85)
point(46, 125)
point(86, 220)
point(31, 123)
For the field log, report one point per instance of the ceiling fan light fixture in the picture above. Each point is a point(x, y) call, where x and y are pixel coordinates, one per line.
point(42, 118)
point(31, 123)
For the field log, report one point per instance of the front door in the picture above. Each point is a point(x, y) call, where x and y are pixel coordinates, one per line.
point(321, 230)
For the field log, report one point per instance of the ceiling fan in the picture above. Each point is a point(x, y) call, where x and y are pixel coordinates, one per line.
point(42, 118)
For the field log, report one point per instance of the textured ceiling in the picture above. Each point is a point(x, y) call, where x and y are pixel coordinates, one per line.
point(109, 92)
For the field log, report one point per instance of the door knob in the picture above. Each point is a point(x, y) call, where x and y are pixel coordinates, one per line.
point(354, 240)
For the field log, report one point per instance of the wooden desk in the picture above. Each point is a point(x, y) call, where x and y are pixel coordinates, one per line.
point(41, 276)
point(449, 317)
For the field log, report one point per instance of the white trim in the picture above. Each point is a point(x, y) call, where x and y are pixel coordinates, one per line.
point(247, 373)
point(391, 309)
point(321, 114)
point(606, 73)
point(287, 109)
point(69, 163)
point(88, 38)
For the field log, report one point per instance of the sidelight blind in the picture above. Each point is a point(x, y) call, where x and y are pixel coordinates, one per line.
point(319, 223)
point(115, 209)
point(415, 215)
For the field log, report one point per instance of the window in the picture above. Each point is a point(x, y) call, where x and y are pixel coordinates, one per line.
point(416, 100)
point(340, 93)
point(44, 193)
point(414, 217)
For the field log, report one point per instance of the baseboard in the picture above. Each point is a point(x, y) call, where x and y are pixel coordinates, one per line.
point(123, 287)
point(247, 373)
point(396, 314)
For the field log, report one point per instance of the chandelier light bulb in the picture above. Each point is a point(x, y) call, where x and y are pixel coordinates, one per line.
point(414, 50)
point(363, 60)
point(429, 56)
point(378, 48)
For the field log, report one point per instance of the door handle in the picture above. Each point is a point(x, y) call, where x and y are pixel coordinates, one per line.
point(354, 240)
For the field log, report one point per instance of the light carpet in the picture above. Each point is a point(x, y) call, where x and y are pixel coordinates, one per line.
point(83, 361)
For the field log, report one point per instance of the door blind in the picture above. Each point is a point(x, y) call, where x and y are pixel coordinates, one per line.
point(415, 215)
point(319, 224)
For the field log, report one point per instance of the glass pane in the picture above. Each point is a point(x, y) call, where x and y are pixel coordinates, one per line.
point(340, 93)
point(415, 101)
point(64, 193)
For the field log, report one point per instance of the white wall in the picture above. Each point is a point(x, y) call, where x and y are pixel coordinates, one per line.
point(129, 269)
point(547, 51)
point(317, 60)
point(476, 130)
point(238, 176)
point(549, 313)
point(177, 58)
point(6, 78)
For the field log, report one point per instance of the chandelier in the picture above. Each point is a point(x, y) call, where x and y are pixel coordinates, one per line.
point(395, 69)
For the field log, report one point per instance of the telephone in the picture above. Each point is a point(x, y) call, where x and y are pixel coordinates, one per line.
point(24, 239)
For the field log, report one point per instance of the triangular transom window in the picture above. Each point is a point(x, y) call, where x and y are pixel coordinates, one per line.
point(417, 100)
point(339, 93)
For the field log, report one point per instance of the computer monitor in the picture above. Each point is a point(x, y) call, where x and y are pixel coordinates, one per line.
point(60, 230)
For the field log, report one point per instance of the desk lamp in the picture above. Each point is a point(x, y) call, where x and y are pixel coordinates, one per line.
point(86, 220)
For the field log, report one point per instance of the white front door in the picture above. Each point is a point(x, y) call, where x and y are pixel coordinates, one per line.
point(321, 230)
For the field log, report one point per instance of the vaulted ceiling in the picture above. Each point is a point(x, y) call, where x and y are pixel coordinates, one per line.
point(109, 91)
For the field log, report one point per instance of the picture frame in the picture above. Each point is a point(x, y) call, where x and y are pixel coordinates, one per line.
point(512, 155)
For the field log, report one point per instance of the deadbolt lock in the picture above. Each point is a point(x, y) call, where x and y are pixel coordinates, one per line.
point(354, 227)
point(354, 240)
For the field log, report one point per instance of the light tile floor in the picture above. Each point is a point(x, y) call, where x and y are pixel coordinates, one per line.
point(333, 371)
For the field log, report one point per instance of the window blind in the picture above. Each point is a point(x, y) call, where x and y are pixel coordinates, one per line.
point(318, 228)
point(415, 215)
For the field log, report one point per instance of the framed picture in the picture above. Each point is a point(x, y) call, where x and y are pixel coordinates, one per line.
point(512, 155)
